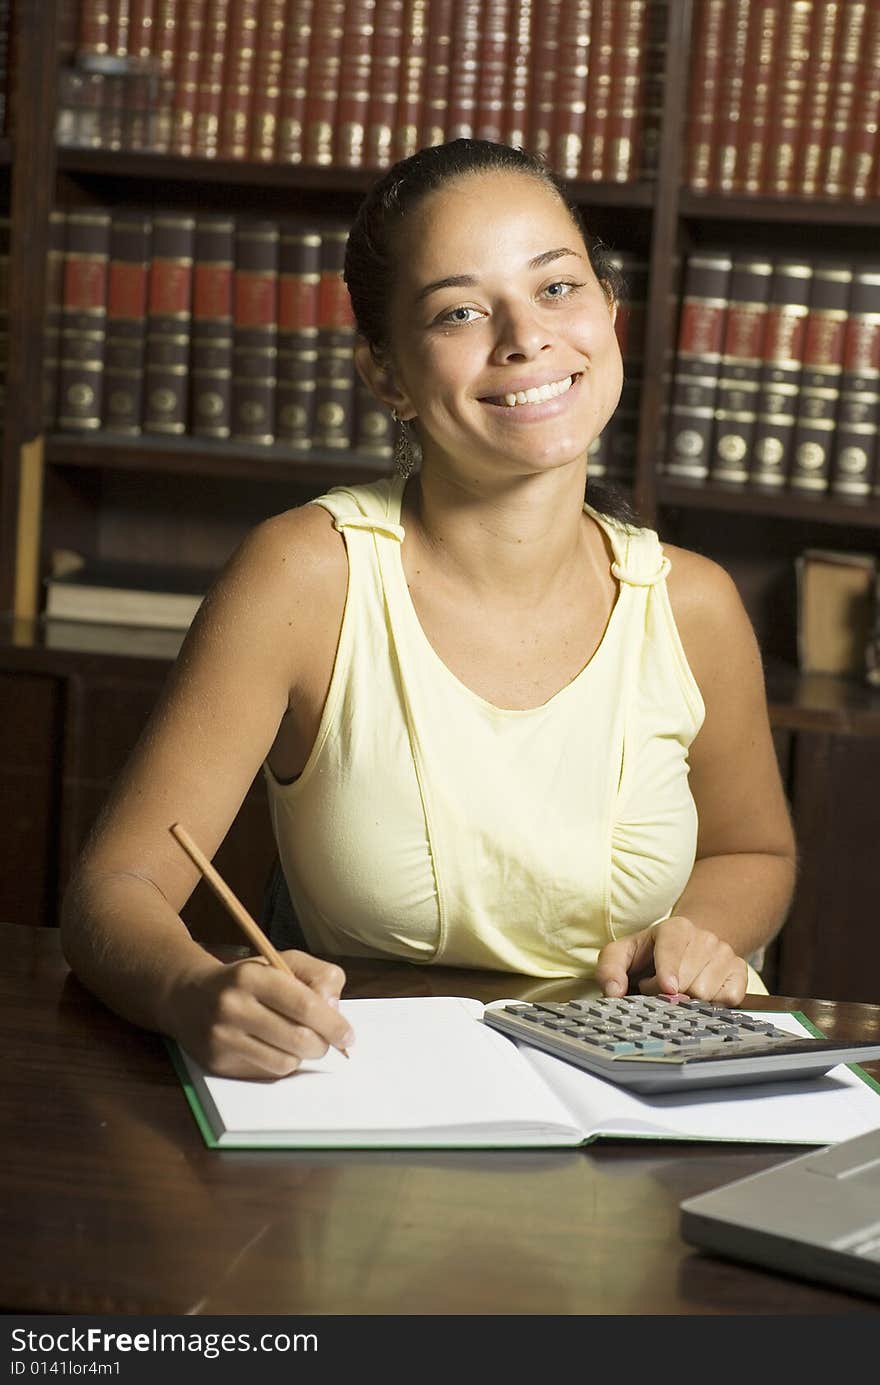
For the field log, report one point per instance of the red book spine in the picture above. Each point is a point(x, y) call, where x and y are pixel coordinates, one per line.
point(165, 38)
point(790, 99)
point(334, 395)
point(83, 320)
point(118, 28)
point(354, 83)
point(545, 65)
point(862, 160)
point(412, 79)
point(94, 27)
point(598, 89)
point(126, 323)
point(464, 68)
point(255, 334)
point(622, 146)
point(570, 108)
point(210, 380)
point(850, 45)
point(701, 331)
point(209, 93)
point(266, 97)
point(822, 42)
point(819, 386)
point(325, 51)
point(726, 134)
point(140, 28)
point(762, 45)
point(781, 372)
point(387, 49)
point(294, 82)
point(492, 60)
point(703, 95)
point(169, 316)
point(238, 79)
point(516, 96)
point(299, 282)
point(438, 49)
point(190, 40)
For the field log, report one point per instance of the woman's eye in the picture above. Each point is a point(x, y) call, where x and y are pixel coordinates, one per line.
point(561, 288)
point(457, 315)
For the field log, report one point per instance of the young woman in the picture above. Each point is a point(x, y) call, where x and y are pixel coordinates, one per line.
point(499, 727)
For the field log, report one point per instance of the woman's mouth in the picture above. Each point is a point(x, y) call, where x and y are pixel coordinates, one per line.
point(539, 394)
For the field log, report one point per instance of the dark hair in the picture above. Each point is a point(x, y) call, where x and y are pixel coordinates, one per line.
point(370, 256)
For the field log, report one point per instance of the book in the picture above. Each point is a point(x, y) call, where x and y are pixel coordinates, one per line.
point(438, 56)
point(388, 42)
point(519, 61)
point(354, 84)
point(210, 377)
point(290, 136)
point(600, 76)
point(83, 333)
point(299, 284)
point(169, 319)
point(322, 93)
point(822, 44)
point(266, 94)
point(789, 98)
point(753, 139)
point(863, 159)
point(104, 591)
point(701, 330)
point(255, 331)
point(835, 609)
point(706, 63)
point(464, 55)
point(781, 372)
point(858, 414)
point(209, 84)
point(130, 236)
point(726, 151)
point(621, 155)
point(819, 392)
point(739, 380)
point(425, 1072)
point(849, 45)
point(412, 78)
point(492, 67)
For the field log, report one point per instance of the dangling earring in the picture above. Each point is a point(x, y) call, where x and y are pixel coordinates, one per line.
point(407, 449)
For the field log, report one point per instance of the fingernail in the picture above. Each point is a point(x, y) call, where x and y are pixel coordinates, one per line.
point(613, 988)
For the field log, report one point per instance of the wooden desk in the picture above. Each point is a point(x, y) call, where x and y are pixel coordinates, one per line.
point(110, 1202)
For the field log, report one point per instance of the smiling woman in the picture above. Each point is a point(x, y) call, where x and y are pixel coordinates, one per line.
point(492, 718)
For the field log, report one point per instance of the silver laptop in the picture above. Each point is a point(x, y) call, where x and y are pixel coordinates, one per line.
point(817, 1216)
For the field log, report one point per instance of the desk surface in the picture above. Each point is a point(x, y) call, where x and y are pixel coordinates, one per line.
point(110, 1202)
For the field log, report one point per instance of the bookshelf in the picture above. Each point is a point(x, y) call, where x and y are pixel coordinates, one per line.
point(153, 496)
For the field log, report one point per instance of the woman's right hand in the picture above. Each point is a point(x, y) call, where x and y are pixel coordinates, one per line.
point(247, 1019)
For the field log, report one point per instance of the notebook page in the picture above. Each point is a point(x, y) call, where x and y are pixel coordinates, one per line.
point(417, 1064)
point(820, 1110)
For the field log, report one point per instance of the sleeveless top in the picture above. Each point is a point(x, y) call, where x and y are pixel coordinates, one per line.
point(432, 826)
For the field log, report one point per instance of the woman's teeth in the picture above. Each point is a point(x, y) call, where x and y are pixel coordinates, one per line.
point(537, 396)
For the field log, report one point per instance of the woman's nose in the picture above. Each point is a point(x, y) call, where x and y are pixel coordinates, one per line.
point(521, 335)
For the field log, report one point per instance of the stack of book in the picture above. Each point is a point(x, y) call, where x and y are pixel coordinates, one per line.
point(104, 592)
point(360, 83)
point(785, 98)
point(777, 375)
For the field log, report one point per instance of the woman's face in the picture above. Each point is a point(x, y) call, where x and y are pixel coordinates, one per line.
point(503, 341)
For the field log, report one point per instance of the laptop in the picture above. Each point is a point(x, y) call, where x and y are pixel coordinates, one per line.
point(817, 1216)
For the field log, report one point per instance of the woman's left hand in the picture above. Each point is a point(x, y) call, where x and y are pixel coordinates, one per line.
point(674, 957)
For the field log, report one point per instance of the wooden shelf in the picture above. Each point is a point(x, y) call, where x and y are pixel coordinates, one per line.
point(821, 702)
point(194, 456)
point(822, 508)
point(797, 210)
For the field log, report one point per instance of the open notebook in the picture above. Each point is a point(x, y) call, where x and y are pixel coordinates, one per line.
point(427, 1072)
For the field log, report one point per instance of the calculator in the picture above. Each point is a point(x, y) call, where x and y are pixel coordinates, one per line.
point(653, 1044)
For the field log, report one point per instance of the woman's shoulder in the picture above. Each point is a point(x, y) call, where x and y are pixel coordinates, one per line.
point(708, 609)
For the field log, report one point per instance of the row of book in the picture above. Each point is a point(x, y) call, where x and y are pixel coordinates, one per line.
point(777, 375)
point(233, 328)
point(364, 82)
point(785, 98)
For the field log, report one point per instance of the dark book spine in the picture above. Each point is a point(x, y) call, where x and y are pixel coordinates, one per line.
point(299, 283)
point(354, 83)
point(742, 353)
point(139, 114)
point(322, 87)
point(653, 88)
point(863, 158)
point(169, 317)
point(516, 91)
point(754, 138)
point(387, 49)
point(210, 378)
point(697, 364)
point(238, 79)
point(438, 50)
point(570, 106)
point(850, 44)
point(495, 38)
point(209, 87)
point(373, 424)
point(781, 372)
point(858, 415)
point(703, 94)
point(334, 395)
point(188, 50)
point(54, 312)
point(464, 68)
point(412, 79)
point(822, 46)
point(84, 319)
point(812, 444)
point(266, 99)
point(255, 334)
point(619, 438)
point(599, 80)
point(126, 322)
point(622, 146)
point(542, 87)
point(165, 40)
point(726, 133)
point(290, 146)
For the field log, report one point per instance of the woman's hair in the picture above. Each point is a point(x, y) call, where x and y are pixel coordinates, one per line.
point(371, 252)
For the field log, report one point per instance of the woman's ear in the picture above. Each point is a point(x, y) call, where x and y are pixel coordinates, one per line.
point(378, 376)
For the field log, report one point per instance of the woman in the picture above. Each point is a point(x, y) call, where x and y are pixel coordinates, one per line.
point(499, 729)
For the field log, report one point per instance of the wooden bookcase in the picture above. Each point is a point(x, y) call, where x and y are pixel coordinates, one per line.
point(82, 710)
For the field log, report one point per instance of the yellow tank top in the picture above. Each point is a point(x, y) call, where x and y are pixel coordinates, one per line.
point(433, 826)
